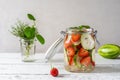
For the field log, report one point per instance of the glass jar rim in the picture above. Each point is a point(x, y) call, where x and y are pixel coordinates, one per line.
point(71, 30)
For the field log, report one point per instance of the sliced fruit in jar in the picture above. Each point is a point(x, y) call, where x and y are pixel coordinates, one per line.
point(78, 46)
point(71, 60)
point(93, 63)
point(75, 57)
point(82, 52)
point(93, 55)
point(86, 61)
point(75, 37)
point(67, 42)
point(78, 61)
point(87, 41)
point(76, 43)
point(70, 51)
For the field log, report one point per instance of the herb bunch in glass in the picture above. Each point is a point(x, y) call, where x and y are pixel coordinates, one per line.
point(28, 34)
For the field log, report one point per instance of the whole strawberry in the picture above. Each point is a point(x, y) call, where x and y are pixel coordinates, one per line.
point(54, 72)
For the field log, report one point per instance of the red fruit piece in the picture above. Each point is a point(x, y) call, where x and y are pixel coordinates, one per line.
point(67, 44)
point(76, 37)
point(70, 60)
point(86, 61)
point(70, 51)
point(93, 63)
point(82, 52)
point(54, 72)
point(79, 46)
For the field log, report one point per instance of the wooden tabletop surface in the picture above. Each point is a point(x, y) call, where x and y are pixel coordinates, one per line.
point(12, 68)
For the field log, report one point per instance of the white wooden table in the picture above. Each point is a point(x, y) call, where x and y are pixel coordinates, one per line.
point(12, 68)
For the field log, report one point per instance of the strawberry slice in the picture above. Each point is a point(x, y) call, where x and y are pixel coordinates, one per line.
point(82, 52)
point(79, 46)
point(93, 63)
point(70, 60)
point(67, 41)
point(67, 44)
point(86, 61)
point(76, 37)
point(70, 51)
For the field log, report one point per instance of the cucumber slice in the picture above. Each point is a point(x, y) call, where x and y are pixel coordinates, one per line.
point(93, 55)
point(77, 61)
point(77, 43)
point(87, 41)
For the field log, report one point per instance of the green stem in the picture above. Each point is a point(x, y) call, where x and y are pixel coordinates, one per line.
point(27, 53)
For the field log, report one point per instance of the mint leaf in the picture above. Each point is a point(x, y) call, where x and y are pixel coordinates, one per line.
point(84, 26)
point(29, 32)
point(40, 39)
point(33, 32)
point(31, 17)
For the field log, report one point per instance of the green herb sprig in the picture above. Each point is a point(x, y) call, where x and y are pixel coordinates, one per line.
point(26, 31)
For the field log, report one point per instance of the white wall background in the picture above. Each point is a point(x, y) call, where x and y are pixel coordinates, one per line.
point(56, 15)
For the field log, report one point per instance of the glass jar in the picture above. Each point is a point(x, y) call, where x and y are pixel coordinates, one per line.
point(79, 50)
point(28, 50)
